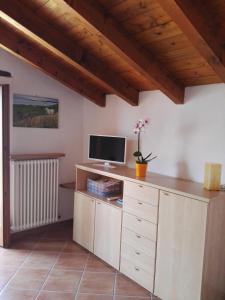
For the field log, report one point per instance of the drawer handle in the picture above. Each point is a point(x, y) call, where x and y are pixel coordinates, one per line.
point(139, 220)
point(138, 253)
point(166, 194)
point(140, 203)
point(140, 186)
point(98, 203)
point(138, 236)
point(137, 269)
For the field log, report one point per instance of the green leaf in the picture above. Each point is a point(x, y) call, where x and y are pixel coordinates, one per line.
point(151, 159)
point(148, 156)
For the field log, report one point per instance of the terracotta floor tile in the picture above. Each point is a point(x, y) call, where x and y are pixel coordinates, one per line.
point(6, 272)
point(93, 297)
point(58, 233)
point(11, 261)
point(48, 245)
point(71, 261)
point(127, 287)
point(24, 245)
point(3, 281)
point(36, 255)
point(97, 283)
point(41, 259)
point(63, 280)
point(31, 279)
point(55, 296)
point(11, 294)
point(17, 252)
point(12, 257)
point(95, 264)
point(72, 247)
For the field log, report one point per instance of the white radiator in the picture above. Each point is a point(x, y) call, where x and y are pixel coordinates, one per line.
point(34, 193)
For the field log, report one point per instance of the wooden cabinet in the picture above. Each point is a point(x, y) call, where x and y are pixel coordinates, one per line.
point(180, 247)
point(84, 216)
point(139, 230)
point(141, 192)
point(108, 233)
point(172, 232)
point(140, 208)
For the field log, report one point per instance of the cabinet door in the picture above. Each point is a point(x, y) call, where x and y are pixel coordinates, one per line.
point(107, 233)
point(180, 247)
point(83, 224)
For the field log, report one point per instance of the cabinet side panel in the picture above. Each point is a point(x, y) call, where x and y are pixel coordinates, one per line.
point(180, 247)
point(213, 286)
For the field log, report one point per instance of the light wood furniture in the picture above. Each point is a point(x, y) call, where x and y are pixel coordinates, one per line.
point(167, 236)
point(140, 218)
point(84, 218)
point(180, 247)
point(108, 221)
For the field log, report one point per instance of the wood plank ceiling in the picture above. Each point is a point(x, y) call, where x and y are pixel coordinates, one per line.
point(119, 47)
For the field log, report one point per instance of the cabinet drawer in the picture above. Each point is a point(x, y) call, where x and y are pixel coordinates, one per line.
point(141, 192)
point(141, 209)
point(139, 225)
point(138, 257)
point(137, 274)
point(138, 242)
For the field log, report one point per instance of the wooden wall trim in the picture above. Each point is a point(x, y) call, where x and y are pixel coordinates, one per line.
point(6, 164)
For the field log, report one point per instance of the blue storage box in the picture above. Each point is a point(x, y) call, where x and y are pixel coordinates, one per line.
point(104, 186)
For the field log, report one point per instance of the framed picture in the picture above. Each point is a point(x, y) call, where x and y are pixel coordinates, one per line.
point(35, 112)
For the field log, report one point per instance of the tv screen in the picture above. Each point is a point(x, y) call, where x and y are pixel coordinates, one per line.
point(107, 148)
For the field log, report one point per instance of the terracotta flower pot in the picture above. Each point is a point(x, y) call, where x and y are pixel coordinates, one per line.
point(141, 170)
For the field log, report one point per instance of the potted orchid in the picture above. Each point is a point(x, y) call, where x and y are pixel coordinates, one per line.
point(141, 161)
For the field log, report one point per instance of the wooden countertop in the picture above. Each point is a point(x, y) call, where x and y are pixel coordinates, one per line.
point(166, 183)
point(33, 156)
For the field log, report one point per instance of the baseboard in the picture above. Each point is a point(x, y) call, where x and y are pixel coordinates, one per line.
point(22, 234)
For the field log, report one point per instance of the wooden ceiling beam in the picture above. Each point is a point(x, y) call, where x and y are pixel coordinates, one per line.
point(13, 41)
point(195, 23)
point(46, 35)
point(140, 59)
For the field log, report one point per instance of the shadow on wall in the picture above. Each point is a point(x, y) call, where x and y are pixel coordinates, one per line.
point(131, 147)
point(182, 170)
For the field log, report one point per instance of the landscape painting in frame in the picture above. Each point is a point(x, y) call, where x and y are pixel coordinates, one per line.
point(35, 112)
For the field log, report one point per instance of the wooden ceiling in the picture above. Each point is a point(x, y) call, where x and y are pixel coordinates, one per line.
point(119, 47)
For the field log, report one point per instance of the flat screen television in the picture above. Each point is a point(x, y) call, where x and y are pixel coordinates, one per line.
point(107, 149)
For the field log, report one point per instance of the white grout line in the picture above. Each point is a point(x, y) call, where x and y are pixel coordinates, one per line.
point(45, 281)
point(19, 267)
point(59, 253)
point(82, 276)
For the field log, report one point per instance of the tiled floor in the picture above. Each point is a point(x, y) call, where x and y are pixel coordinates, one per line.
point(51, 266)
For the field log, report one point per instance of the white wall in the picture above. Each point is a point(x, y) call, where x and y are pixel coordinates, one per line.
point(183, 136)
point(67, 139)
